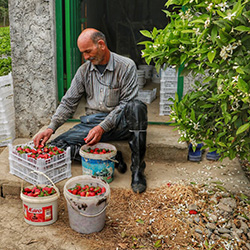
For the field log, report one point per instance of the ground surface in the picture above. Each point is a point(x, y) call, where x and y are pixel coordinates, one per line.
point(157, 219)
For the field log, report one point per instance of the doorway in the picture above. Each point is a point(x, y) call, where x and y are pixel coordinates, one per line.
point(121, 22)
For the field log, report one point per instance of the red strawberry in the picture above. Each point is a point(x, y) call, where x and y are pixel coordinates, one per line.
point(103, 190)
point(193, 212)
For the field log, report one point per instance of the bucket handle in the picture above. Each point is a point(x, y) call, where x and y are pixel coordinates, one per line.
point(85, 215)
point(53, 184)
point(106, 159)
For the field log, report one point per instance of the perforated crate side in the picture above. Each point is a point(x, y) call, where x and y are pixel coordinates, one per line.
point(6, 81)
point(56, 168)
point(169, 85)
point(169, 72)
point(164, 97)
point(165, 109)
point(6, 101)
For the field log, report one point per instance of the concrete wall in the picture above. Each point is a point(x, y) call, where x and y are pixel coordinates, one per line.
point(32, 31)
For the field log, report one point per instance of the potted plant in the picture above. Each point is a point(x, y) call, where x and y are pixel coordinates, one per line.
point(209, 38)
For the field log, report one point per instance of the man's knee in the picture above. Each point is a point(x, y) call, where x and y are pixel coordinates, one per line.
point(136, 115)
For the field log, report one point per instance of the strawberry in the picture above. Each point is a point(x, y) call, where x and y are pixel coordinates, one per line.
point(19, 148)
point(103, 190)
point(82, 193)
point(193, 212)
point(45, 150)
point(27, 189)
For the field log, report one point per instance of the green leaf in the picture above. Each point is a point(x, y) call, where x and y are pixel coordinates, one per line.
point(146, 33)
point(221, 144)
point(207, 106)
point(240, 70)
point(242, 28)
point(243, 197)
point(214, 34)
point(242, 85)
point(242, 128)
point(183, 58)
point(211, 55)
point(187, 31)
point(157, 243)
point(140, 221)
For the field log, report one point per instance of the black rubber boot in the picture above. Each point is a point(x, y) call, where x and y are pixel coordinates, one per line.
point(121, 166)
point(138, 148)
point(136, 116)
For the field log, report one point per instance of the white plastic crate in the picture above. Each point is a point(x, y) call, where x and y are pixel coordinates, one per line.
point(7, 117)
point(5, 92)
point(169, 72)
point(6, 81)
point(7, 127)
point(56, 168)
point(6, 111)
point(164, 97)
point(165, 109)
point(147, 96)
point(6, 101)
point(7, 138)
point(168, 86)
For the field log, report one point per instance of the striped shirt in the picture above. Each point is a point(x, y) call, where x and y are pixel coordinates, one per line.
point(105, 93)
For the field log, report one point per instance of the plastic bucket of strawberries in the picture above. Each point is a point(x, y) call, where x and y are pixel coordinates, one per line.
point(40, 203)
point(87, 199)
point(99, 160)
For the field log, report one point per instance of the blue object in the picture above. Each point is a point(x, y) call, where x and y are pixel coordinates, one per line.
point(195, 155)
point(101, 168)
point(213, 156)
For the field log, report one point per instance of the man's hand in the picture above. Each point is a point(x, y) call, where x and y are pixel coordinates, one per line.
point(94, 135)
point(42, 137)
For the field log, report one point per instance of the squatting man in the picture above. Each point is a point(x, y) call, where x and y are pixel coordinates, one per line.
point(109, 83)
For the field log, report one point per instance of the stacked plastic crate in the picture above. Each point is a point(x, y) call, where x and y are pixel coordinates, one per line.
point(7, 115)
point(40, 170)
point(169, 80)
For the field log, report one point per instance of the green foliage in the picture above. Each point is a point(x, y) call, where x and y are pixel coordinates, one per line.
point(5, 51)
point(210, 38)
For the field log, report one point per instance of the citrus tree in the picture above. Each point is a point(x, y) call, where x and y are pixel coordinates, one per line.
point(211, 38)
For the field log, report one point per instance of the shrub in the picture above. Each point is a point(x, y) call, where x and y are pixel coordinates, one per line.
point(212, 37)
point(5, 51)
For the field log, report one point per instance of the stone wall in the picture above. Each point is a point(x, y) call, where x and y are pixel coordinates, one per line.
point(32, 31)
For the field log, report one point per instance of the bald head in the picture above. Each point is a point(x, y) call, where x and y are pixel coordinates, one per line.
point(91, 34)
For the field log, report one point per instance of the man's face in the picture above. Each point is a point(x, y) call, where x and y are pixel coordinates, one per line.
point(91, 52)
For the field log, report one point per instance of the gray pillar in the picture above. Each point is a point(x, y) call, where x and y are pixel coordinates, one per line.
point(32, 32)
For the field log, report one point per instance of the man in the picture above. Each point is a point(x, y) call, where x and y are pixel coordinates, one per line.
point(109, 83)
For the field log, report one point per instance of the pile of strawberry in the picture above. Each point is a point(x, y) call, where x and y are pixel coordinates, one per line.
point(38, 191)
point(41, 152)
point(87, 190)
point(99, 151)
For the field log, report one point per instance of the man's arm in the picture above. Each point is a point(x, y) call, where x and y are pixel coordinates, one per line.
point(66, 108)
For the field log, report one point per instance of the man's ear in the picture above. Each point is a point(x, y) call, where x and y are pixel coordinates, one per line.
point(101, 44)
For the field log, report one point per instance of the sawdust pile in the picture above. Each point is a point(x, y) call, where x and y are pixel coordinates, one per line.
point(157, 219)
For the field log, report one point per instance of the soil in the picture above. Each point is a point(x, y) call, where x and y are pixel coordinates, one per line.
point(156, 219)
